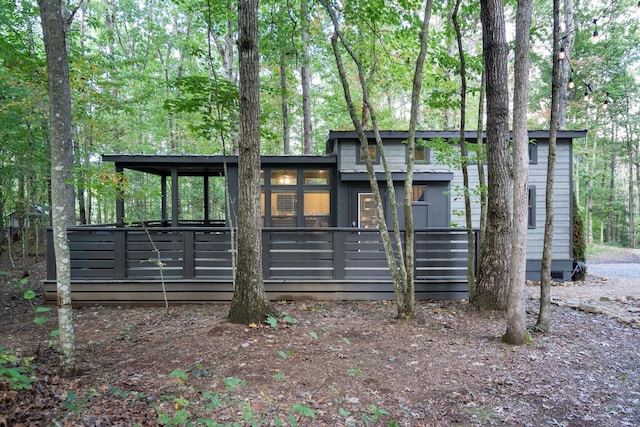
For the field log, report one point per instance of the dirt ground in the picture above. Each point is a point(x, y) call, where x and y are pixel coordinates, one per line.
point(328, 364)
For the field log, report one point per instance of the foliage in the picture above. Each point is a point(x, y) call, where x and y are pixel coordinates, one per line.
point(15, 371)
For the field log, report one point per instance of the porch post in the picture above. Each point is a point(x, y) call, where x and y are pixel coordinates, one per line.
point(206, 200)
point(163, 187)
point(174, 196)
point(119, 199)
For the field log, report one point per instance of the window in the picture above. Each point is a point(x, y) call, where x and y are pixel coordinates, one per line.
point(284, 177)
point(315, 177)
point(316, 208)
point(296, 197)
point(419, 194)
point(284, 208)
point(422, 155)
point(374, 155)
point(532, 207)
point(533, 152)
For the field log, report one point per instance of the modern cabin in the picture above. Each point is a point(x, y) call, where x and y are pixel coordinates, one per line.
point(320, 235)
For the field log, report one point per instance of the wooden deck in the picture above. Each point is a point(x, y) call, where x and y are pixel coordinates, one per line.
point(119, 265)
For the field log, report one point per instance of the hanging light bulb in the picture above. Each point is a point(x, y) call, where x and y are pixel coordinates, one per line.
point(607, 100)
point(586, 96)
point(561, 55)
point(571, 83)
point(595, 36)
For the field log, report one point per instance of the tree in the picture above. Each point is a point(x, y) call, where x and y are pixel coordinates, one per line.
point(544, 314)
point(516, 317)
point(493, 273)
point(53, 29)
point(249, 303)
point(399, 259)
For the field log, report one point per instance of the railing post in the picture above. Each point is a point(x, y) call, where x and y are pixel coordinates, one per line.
point(339, 254)
point(120, 254)
point(266, 252)
point(188, 261)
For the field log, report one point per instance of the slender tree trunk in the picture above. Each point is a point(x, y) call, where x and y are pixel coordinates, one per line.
point(565, 68)
point(284, 99)
point(249, 303)
point(611, 232)
point(516, 317)
point(53, 28)
point(305, 81)
point(493, 275)
point(544, 315)
point(471, 274)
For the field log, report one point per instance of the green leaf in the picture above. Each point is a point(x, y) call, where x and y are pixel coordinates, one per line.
point(354, 371)
point(313, 335)
point(283, 354)
point(289, 319)
point(304, 410)
point(271, 321)
point(179, 374)
point(343, 412)
point(345, 340)
point(42, 309)
point(39, 320)
point(29, 294)
point(233, 383)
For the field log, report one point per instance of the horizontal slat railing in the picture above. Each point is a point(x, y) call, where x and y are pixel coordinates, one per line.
point(187, 253)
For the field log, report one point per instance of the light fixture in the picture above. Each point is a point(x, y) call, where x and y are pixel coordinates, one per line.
point(586, 96)
point(561, 55)
point(595, 36)
point(571, 83)
point(606, 102)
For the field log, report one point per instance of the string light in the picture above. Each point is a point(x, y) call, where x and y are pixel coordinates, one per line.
point(595, 36)
point(571, 83)
point(561, 55)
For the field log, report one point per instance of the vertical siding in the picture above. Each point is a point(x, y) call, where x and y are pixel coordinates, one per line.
point(537, 172)
point(537, 177)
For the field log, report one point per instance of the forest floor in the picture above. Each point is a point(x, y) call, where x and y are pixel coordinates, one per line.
point(329, 363)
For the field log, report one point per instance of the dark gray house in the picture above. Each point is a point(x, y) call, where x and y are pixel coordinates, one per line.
point(320, 237)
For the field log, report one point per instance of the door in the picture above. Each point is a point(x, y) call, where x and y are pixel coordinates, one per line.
point(367, 211)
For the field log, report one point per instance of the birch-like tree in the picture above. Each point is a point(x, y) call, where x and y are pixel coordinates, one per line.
point(54, 24)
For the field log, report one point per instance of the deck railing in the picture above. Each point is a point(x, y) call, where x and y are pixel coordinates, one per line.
point(185, 253)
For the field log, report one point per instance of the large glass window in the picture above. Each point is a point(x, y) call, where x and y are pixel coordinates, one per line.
point(317, 208)
point(296, 198)
point(284, 208)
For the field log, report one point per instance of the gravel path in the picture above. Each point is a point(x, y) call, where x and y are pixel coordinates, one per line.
point(612, 287)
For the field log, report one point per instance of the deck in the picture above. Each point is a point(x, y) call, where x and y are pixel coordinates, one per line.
point(119, 265)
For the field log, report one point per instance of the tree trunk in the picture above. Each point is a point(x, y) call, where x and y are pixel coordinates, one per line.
point(305, 81)
point(53, 29)
point(471, 274)
point(284, 99)
point(564, 64)
point(493, 274)
point(249, 303)
point(544, 315)
point(516, 317)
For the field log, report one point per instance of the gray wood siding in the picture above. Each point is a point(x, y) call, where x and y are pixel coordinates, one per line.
point(537, 178)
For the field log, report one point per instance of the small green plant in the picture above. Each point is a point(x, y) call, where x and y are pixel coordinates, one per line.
point(287, 354)
point(74, 404)
point(345, 340)
point(233, 383)
point(374, 415)
point(15, 371)
point(313, 335)
point(124, 334)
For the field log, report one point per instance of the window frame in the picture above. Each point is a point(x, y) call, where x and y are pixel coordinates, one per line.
point(360, 159)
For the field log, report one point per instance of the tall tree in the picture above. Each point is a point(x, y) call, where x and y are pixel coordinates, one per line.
point(249, 303)
point(400, 259)
point(305, 80)
point(493, 273)
point(53, 29)
point(516, 318)
point(544, 314)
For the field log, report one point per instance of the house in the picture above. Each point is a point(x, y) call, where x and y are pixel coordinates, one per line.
point(320, 238)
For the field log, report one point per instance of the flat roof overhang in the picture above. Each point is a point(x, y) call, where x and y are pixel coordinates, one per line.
point(203, 165)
